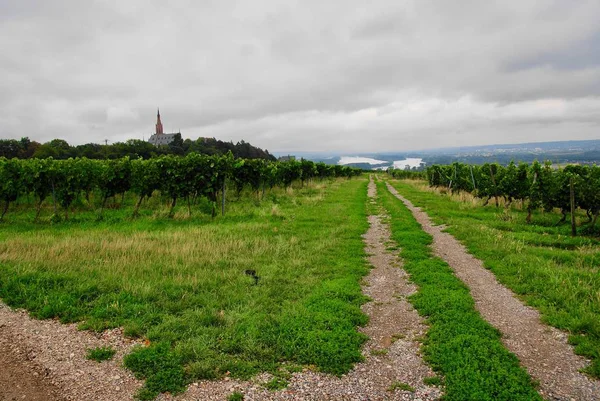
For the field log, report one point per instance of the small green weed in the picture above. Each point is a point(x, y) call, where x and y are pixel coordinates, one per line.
point(161, 368)
point(290, 368)
point(397, 385)
point(432, 381)
point(236, 396)
point(276, 383)
point(100, 354)
point(379, 352)
point(397, 337)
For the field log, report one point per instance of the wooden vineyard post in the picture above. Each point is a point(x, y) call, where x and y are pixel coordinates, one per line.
point(573, 227)
point(223, 200)
point(494, 182)
point(472, 177)
point(53, 197)
point(452, 179)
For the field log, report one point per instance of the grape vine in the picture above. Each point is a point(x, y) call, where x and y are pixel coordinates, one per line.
point(537, 185)
point(177, 178)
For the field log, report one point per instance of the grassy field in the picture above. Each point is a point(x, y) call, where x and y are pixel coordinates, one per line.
point(182, 284)
point(460, 345)
point(557, 274)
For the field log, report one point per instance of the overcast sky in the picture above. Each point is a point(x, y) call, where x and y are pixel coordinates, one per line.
point(335, 75)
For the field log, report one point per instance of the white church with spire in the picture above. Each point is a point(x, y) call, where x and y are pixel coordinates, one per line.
point(159, 137)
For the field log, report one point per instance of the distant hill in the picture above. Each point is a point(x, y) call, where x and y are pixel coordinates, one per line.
point(528, 147)
point(587, 152)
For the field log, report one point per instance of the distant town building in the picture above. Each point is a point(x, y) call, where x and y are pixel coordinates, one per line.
point(160, 138)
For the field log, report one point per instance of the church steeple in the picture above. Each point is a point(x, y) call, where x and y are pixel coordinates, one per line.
point(159, 127)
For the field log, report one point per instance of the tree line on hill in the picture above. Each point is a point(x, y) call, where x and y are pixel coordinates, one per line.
point(589, 156)
point(60, 149)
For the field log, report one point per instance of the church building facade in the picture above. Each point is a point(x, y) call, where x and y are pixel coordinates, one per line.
point(159, 137)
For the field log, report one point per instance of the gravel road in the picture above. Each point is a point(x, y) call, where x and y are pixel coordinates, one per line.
point(542, 349)
point(47, 360)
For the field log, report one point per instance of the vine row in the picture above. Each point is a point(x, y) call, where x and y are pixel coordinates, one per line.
point(189, 177)
point(538, 185)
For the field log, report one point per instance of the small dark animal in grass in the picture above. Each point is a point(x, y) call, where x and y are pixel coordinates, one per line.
point(252, 273)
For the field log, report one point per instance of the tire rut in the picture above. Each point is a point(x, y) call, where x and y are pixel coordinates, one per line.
point(21, 379)
point(51, 356)
point(542, 349)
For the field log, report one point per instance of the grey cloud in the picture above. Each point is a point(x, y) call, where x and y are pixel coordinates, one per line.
point(584, 54)
point(262, 70)
point(384, 25)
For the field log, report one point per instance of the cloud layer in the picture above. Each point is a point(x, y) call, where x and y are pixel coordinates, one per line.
point(310, 75)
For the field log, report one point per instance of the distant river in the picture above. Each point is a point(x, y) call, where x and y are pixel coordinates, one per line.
point(412, 162)
point(357, 159)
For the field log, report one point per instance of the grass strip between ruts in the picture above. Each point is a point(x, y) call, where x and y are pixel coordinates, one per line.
point(459, 344)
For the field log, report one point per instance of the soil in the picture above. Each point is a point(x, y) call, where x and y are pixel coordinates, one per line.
point(543, 350)
point(47, 359)
point(22, 380)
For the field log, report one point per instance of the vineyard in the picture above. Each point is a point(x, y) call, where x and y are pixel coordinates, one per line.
point(191, 178)
point(533, 186)
point(272, 288)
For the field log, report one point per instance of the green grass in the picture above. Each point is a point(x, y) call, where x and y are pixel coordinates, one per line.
point(100, 354)
point(181, 283)
point(459, 344)
point(401, 386)
point(397, 337)
point(236, 396)
point(276, 383)
point(432, 381)
point(555, 273)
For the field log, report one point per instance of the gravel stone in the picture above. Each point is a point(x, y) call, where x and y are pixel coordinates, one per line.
point(52, 356)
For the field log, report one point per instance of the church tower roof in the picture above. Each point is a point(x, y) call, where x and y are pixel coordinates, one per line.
point(159, 126)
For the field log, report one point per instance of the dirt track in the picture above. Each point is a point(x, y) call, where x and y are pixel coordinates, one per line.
point(542, 349)
point(22, 380)
point(47, 357)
